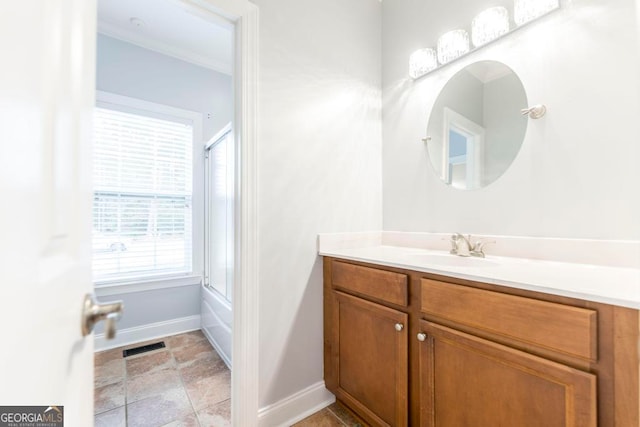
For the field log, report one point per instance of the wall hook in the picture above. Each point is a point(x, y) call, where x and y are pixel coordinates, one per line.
point(426, 139)
point(535, 112)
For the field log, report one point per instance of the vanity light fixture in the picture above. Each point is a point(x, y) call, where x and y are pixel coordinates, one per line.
point(452, 45)
point(422, 61)
point(527, 10)
point(489, 25)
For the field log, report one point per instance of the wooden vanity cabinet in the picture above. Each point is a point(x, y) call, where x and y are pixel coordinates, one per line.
point(366, 344)
point(474, 354)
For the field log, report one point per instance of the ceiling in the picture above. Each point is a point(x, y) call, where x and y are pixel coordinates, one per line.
point(487, 71)
point(176, 28)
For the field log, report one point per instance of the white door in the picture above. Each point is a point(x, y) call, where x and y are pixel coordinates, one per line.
point(47, 68)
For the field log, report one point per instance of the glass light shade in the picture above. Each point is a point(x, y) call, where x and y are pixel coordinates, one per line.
point(528, 10)
point(421, 62)
point(489, 25)
point(452, 45)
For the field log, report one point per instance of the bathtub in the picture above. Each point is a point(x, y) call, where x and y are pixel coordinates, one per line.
point(217, 322)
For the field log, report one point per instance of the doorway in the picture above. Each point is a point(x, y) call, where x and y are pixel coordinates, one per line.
point(242, 11)
point(56, 56)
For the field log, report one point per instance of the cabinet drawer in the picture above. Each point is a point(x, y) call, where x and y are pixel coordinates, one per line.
point(561, 328)
point(378, 284)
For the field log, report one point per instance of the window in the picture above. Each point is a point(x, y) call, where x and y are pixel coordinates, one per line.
point(142, 194)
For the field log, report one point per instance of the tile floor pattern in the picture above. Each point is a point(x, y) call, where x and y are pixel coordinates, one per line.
point(185, 384)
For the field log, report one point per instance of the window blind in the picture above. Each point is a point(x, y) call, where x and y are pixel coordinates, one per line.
point(142, 196)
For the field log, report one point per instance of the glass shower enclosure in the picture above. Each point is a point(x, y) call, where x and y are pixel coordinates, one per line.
point(217, 292)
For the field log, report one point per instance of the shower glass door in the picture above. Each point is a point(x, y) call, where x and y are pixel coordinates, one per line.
point(219, 205)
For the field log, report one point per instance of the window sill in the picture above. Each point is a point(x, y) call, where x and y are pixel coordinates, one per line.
point(141, 285)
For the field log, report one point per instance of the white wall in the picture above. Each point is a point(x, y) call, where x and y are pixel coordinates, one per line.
point(155, 306)
point(577, 173)
point(319, 168)
point(130, 70)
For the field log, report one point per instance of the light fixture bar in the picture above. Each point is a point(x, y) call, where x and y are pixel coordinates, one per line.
point(488, 26)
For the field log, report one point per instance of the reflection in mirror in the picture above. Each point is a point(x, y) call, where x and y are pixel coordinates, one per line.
point(475, 128)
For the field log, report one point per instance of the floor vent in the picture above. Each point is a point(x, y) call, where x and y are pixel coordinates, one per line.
point(143, 349)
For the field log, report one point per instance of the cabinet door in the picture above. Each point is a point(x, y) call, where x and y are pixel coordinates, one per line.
point(369, 356)
point(468, 381)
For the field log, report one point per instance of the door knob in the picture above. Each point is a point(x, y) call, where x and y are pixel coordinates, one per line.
point(421, 336)
point(399, 327)
point(93, 312)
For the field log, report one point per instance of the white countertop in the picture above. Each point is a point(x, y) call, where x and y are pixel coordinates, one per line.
point(617, 285)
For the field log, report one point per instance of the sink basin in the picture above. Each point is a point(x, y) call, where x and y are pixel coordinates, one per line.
point(448, 260)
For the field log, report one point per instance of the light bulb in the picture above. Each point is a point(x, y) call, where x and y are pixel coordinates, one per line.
point(421, 62)
point(452, 45)
point(528, 10)
point(489, 25)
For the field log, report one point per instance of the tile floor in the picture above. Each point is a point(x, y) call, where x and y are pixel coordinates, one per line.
point(183, 385)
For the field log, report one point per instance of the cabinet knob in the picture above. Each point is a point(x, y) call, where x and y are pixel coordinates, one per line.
point(422, 337)
point(399, 327)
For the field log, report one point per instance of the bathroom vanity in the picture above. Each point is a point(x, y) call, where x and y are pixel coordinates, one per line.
point(437, 340)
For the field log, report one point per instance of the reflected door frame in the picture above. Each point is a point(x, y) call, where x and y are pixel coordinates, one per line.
point(475, 136)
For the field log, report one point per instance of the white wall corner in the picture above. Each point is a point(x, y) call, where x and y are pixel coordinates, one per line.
point(296, 407)
point(148, 332)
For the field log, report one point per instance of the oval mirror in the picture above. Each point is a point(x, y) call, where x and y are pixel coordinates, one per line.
point(476, 128)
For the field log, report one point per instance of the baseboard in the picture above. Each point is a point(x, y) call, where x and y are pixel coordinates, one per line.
point(296, 407)
point(147, 332)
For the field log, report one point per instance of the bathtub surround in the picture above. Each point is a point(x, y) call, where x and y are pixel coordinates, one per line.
point(217, 321)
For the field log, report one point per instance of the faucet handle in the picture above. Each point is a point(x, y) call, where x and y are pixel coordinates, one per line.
point(477, 249)
point(454, 244)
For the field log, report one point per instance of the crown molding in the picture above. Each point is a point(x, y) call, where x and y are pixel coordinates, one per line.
point(162, 48)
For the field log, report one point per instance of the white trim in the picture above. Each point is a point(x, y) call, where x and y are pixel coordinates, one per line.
point(296, 407)
point(152, 284)
point(475, 147)
point(148, 332)
point(129, 103)
point(162, 48)
point(246, 294)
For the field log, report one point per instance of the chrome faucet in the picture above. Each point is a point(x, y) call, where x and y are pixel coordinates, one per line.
point(464, 246)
